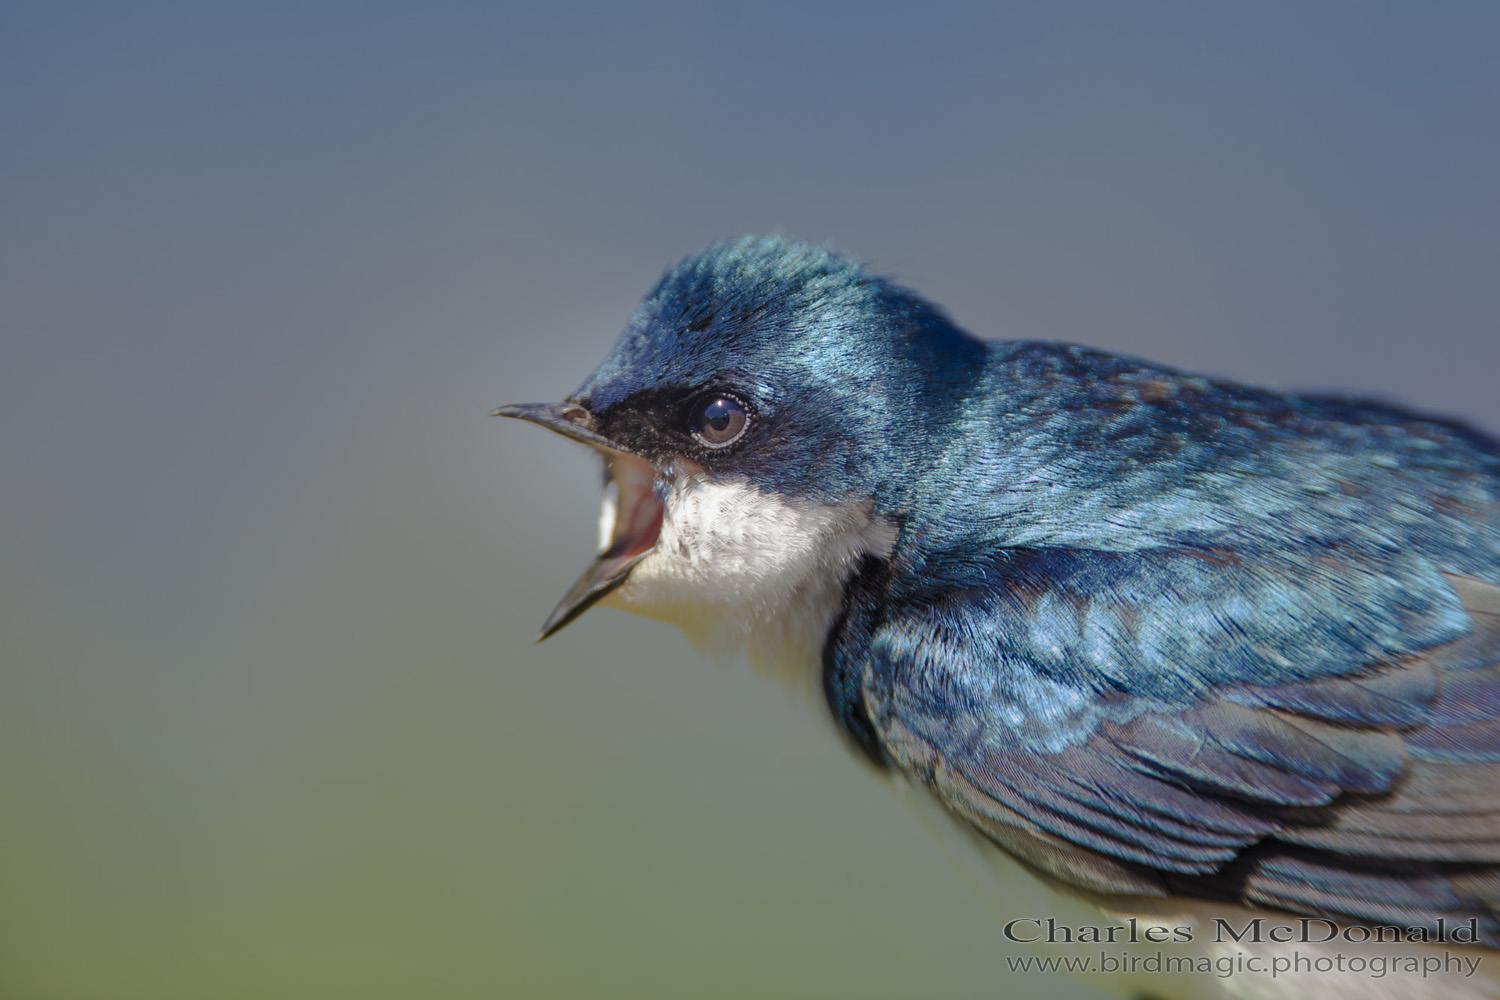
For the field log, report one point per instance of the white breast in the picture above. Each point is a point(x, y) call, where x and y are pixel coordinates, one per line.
point(740, 566)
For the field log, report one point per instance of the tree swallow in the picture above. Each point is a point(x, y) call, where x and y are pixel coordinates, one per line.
point(1174, 643)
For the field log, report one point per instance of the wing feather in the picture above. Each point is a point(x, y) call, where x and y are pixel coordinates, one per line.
point(1371, 793)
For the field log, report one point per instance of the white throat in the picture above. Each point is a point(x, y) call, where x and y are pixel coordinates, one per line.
point(738, 566)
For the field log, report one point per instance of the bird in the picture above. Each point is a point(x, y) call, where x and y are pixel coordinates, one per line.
point(1187, 650)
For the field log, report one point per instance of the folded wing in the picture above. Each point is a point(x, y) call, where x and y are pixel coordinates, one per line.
point(1321, 737)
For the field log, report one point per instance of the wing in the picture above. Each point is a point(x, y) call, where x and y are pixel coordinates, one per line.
point(1319, 736)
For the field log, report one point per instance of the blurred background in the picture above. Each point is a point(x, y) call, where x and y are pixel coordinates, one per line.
point(271, 719)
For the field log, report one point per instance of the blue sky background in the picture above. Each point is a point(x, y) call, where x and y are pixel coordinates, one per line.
point(271, 723)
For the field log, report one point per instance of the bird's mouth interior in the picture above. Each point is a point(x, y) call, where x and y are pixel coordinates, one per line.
point(630, 522)
point(629, 526)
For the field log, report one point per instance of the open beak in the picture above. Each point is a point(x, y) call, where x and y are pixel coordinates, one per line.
point(631, 521)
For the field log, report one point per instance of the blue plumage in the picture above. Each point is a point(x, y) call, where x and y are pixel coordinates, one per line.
point(1152, 632)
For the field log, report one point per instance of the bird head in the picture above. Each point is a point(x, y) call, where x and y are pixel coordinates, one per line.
point(758, 419)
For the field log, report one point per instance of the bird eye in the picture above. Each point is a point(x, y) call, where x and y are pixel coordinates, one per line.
point(720, 421)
